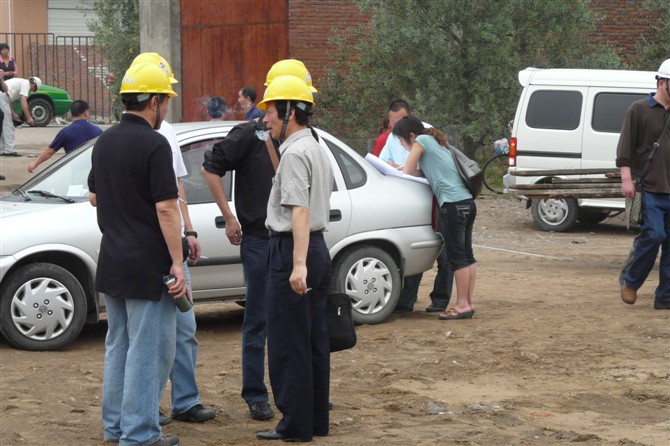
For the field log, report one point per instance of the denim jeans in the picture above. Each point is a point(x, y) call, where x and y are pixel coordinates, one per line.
point(254, 253)
point(184, 388)
point(139, 352)
point(409, 293)
point(457, 220)
point(654, 234)
point(444, 279)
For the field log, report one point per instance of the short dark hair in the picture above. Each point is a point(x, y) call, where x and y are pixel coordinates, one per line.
point(249, 92)
point(301, 115)
point(3, 46)
point(132, 103)
point(216, 106)
point(398, 105)
point(78, 108)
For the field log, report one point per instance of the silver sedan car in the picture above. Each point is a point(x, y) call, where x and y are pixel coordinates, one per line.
point(379, 232)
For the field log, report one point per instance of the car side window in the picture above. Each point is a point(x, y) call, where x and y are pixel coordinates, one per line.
point(609, 110)
point(554, 109)
point(353, 173)
point(194, 183)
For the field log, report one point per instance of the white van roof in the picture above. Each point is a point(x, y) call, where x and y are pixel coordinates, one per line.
point(583, 77)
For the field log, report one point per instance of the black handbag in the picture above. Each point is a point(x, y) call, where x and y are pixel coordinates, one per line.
point(340, 322)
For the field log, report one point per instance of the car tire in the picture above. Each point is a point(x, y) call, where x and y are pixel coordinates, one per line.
point(42, 307)
point(371, 277)
point(41, 111)
point(555, 214)
point(592, 216)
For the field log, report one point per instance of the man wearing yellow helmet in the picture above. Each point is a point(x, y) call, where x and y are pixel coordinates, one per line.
point(133, 185)
point(299, 265)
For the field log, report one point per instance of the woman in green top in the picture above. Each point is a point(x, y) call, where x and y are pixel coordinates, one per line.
point(457, 206)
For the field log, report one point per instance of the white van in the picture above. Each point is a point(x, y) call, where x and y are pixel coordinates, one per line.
point(571, 119)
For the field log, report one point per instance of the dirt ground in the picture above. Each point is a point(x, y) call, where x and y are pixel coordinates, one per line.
point(551, 357)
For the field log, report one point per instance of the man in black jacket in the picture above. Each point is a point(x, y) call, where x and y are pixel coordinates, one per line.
point(245, 152)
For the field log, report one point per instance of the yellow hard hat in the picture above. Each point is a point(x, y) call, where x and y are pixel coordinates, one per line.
point(159, 60)
point(146, 78)
point(294, 67)
point(287, 88)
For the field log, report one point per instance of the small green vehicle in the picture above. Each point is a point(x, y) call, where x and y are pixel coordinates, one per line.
point(46, 103)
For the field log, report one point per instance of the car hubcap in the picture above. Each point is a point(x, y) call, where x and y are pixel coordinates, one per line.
point(42, 309)
point(554, 212)
point(369, 284)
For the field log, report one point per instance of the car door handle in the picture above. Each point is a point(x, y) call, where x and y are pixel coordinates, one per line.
point(335, 215)
point(219, 222)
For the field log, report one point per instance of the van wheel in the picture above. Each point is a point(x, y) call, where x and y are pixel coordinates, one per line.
point(592, 216)
point(555, 214)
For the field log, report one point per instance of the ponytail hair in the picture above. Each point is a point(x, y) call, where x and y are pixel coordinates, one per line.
point(409, 124)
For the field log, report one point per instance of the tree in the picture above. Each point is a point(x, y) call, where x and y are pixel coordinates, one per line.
point(454, 61)
point(117, 31)
point(654, 48)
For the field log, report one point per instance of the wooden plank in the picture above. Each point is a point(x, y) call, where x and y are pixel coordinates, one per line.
point(553, 172)
point(585, 180)
point(560, 186)
point(570, 193)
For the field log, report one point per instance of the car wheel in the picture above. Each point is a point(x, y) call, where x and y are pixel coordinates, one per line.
point(555, 214)
point(42, 307)
point(41, 111)
point(371, 278)
point(591, 216)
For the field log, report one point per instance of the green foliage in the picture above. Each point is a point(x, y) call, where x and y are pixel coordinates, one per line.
point(655, 48)
point(454, 61)
point(117, 31)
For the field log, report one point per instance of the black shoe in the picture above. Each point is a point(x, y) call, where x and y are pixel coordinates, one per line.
point(163, 419)
point(274, 435)
point(435, 309)
point(661, 305)
point(11, 154)
point(261, 411)
point(172, 440)
point(196, 414)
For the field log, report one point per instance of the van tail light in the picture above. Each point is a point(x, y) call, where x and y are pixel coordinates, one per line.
point(512, 152)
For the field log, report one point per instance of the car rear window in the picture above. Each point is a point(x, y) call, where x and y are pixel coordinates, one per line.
point(609, 110)
point(554, 109)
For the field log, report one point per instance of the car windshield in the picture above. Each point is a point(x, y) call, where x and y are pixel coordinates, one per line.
point(67, 177)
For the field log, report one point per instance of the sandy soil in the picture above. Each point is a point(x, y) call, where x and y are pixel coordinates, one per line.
point(551, 357)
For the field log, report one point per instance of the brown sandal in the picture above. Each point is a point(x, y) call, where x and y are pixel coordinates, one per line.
point(452, 314)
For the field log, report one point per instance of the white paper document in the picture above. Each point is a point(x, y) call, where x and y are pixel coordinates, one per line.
point(387, 169)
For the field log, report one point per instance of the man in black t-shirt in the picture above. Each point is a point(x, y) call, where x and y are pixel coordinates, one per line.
point(133, 185)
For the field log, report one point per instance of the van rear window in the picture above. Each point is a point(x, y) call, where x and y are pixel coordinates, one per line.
point(554, 109)
point(609, 110)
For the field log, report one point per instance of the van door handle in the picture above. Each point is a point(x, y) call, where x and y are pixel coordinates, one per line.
point(219, 222)
point(335, 215)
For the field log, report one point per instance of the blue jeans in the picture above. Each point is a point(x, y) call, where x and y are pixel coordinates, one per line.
point(254, 253)
point(139, 352)
point(654, 234)
point(444, 279)
point(457, 220)
point(184, 388)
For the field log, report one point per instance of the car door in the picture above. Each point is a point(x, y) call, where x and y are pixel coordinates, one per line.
point(218, 274)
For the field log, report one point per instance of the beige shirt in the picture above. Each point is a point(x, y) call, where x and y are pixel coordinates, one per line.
point(304, 178)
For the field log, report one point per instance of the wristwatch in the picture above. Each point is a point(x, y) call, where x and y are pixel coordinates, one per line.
point(189, 233)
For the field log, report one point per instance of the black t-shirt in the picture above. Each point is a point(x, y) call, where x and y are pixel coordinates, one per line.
point(247, 155)
point(131, 171)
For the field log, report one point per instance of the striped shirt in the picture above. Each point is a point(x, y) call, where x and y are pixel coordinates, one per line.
point(304, 178)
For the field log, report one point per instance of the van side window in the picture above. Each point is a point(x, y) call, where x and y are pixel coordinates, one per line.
point(553, 109)
point(609, 110)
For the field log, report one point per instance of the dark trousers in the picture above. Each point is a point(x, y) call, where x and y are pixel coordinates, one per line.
point(298, 346)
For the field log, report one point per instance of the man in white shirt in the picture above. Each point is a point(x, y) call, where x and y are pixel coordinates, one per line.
point(393, 152)
point(17, 89)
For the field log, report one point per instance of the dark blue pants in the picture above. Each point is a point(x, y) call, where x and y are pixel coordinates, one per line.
point(654, 234)
point(298, 346)
point(254, 253)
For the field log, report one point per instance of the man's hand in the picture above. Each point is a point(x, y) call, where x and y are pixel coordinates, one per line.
point(298, 279)
point(178, 288)
point(30, 121)
point(628, 188)
point(32, 166)
point(233, 231)
point(194, 249)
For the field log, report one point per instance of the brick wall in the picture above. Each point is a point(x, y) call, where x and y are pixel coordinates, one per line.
point(623, 24)
point(311, 23)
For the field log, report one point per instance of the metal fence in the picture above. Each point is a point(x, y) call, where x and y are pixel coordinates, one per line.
point(74, 63)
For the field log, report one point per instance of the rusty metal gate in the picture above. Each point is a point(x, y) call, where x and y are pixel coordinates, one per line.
point(74, 63)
